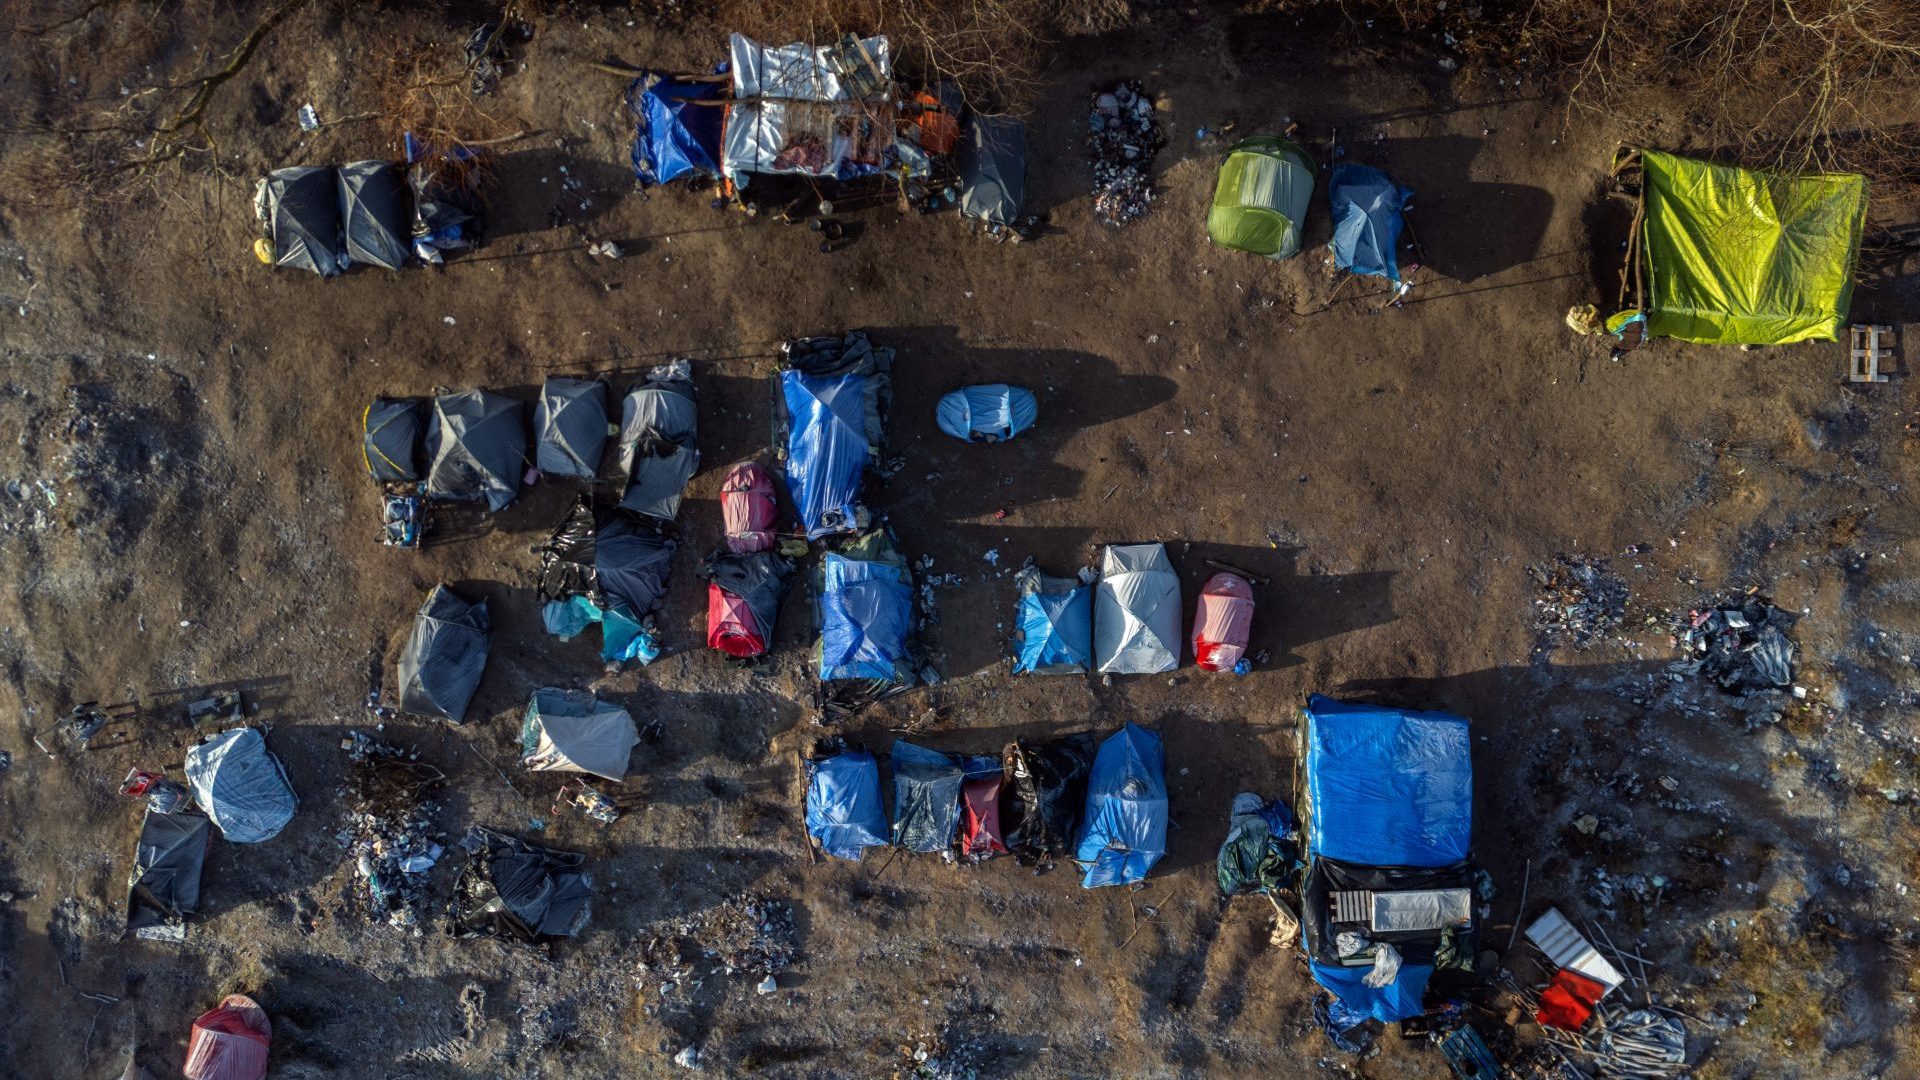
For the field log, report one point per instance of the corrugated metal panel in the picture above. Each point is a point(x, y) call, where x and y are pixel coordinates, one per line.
point(1353, 906)
point(1564, 946)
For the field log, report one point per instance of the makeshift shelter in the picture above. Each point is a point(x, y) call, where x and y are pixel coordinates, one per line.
point(676, 127)
point(1260, 200)
point(445, 654)
point(1367, 219)
point(1136, 611)
point(1054, 626)
point(573, 731)
point(1124, 830)
point(830, 403)
point(241, 785)
point(866, 613)
point(391, 439)
point(373, 214)
point(810, 111)
point(658, 453)
point(571, 425)
point(1257, 855)
point(567, 558)
point(1049, 787)
point(299, 210)
point(844, 813)
point(743, 601)
point(926, 797)
point(980, 835)
point(1222, 621)
point(990, 413)
point(476, 449)
point(445, 186)
point(630, 563)
point(164, 887)
point(1729, 256)
point(747, 508)
point(993, 170)
point(230, 1042)
point(512, 889)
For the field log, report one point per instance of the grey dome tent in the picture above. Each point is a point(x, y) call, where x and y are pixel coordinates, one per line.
point(445, 655)
point(1136, 611)
point(573, 731)
point(299, 208)
point(630, 564)
point(571, 425)
point(658, 425)
point(391, 436)
point(241, 786)
point(477, 447)
point(165, 885)
point(993, 170)
point(373, 214)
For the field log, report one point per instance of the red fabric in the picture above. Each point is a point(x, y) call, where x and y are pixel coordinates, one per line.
point(230, 1042)
point(1222, 621)
point(748, 509)
point(730, 625)
point(980, 817)
point(1568, 1001)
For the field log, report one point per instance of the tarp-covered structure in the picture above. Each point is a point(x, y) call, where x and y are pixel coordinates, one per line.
point(230, 1042)
point(630, 562)
point(1258, 854)
point(659, 424)
point(1136, 611)
point(866, 612)
point(1054, 627)
point(476, 449)
point(164, 887)
point(830, 405)
point(392, 433)
point(992, 412)
point(570, 424)
point(299, 208)
point(819, 111)
point(241, 785)
point(446, 189)
point(993, 170)
point(1367, 220)
point(844, 813)
point(374, 223)
point(612, 573)
point(516, 890)
point(743, 601)
point(1260, 199)
point(1745, 257)
point(445, 654)
point(674, 135)
point(1124, 830)
point(980, 833)
point(1049, 781)
point(926, 797)
point(574, 731)
point(748, 509)
point(1222, 621)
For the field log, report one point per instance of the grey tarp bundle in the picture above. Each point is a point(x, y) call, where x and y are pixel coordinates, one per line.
point(658, 452)
point(373, 214)
point(993, 170)
point(445, 654)
point(390, 440)
point(1136, 611)
point(571, 425)
point(241, 786)
point(164, 887)
point(630, 564)
point(926, 797)
point(573, 731)
point(300, 208)
point(511, 888)
point(476, 447)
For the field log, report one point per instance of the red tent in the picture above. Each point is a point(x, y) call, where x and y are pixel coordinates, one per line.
point(230, 1043)
point(731, 627)
point(980, 817)
point(1221, 622)
point(747, 507)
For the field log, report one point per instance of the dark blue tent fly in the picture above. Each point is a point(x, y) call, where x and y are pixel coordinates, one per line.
point(926, 797)
point(673, 135)
point(991, 413)
point(1367, 208)
point(866, 611)
point(1124, 831)
point(1055, 625)
point(844, 812)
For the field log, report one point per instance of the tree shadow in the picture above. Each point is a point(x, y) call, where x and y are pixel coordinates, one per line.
point(1466, 228)
point(549, 188)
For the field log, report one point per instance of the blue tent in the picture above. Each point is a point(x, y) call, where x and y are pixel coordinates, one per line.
point(1367, 206)
point(1056, 625)
point(993, 412)
point(672, 136)
point(866, 610)
point(826, 448)
point(1387, 787)
point(1124, 831)
point(844, 812)
point(926, 797)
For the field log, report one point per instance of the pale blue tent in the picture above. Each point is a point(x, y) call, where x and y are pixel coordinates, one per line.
point(844, 812)
point(1055, 625)
point(866, 612)
point(1124, 831)
point(994, 412)
point(1367, 209)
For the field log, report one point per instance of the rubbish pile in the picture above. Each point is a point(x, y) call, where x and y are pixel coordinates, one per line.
point(1578, 601)
point(1741, 645)
point(1122, 138)
point(517, 891)
point(389, 838)
point(744, 934)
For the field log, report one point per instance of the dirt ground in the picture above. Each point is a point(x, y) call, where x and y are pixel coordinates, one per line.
point(184, 509)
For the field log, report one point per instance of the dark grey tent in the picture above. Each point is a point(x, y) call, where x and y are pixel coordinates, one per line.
point(477, 447)
point(300, 209)
point(658, 425)
point(391, 430)
point(926, 797)
point(567, 558)
point(993, 170)
point(631, 563)
point(445, 655)
point(373, 214)
point(571, 425)
point(241, 785)
point(512, 889)
point(165, 885)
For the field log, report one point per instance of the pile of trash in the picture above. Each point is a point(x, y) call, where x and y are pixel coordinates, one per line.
point(1742, 645)
point(1577, 600)
point(744, 934)
point(1122, 138)
point(390, 838)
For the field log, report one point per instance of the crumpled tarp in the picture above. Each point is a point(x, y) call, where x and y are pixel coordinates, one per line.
point(659, 425)
point(1136, 611)
point(567, 557)
point(373, 214)
point(446, 197)
point(831, 401)
point(844, 813)
point(392, 430)
point(513, 889)
point(926, 797)
point(477, 449)
point(1367, 219)
point(1124, 831)
point(241, 785)
point(1049, 787)
point(993, 412)
point(673, 136)
point(993, 170)
point(1055, 625)
point(1258, 854)
point(164, 887)
point(300, 207)
point(570, 423)
point(445, 655)
point(1388, 787)
point(574, 731)
point(230, 1042)
point(866, 613)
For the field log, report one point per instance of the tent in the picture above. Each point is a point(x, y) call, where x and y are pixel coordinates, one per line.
point(373, 214)
point(299, 208)
point(1136, 611)
point(445, 654)
point(926, 797)
point(993, 170)
point(796, 109)
point(571, 425)
point(1741, 257)
point(1055, 625)
point(1221, 622)
point(573, 731)
point(164, 887)
point(831, 400)
point(658, 454)
point(630, 563)
point(748, 509)
point(1367, 209)
point(1124, 831)
point(866, 613)
point(844, 812)
point(673, 135)
point(980, 835)
point(1260, 200)
point(743, 601)
point(476, 448)
point(390, 440)
point(1049, 786)
point(989, 413)
point(512, 889)
point(241, 785)
point(230, 1042)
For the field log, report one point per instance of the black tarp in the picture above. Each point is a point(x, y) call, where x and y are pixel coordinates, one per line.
point(477, 448)
point(631, 563)
point(1328, 876)
point(926, 797)
point(513, 889)
point(1049, 782)
point(571, 425)
point(301, 208)
point(659, 452)
point(445, 655)
point(567, 558)
point(391, 431)
point(165, 885)
point(373, 213)
point(993, 170)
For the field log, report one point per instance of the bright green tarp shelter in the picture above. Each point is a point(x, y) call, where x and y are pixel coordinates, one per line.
point(1261, 198)
point(1739, 257)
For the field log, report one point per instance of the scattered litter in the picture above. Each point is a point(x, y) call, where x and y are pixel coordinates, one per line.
point(1741, 645)
point(1122, 138)
point(768, 985)
point(992, 556)
point(606, 249)
point(688, 1058)
point(309, 120)
point(1579, 601)
point(390, 837)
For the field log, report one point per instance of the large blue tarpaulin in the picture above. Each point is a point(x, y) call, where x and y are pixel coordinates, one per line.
point(844, 812)
point(1354, 1002)
point(1056, 627)
point(674, 136)
point(1388, 787)
point(1124, 831)
point(826, 448)
point(1367, 205)
point(866, 608)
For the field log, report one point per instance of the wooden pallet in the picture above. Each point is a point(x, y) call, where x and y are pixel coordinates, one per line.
point(1871, 346)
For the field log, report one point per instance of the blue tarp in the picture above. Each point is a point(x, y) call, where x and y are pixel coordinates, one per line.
point(993, 411)
point(1124, 831)
point(844, 812)
point(926, 797)
point(1367, 205)
point(1388, 787)
point(671, 137)
point(866, 608)
point(826, 448)
point(1355, 1002)
point(1056, 630)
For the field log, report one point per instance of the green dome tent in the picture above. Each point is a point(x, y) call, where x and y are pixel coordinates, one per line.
point(1260, 201)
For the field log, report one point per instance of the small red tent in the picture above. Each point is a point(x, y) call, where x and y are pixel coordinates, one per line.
point(731, 627)
point(748, 508)
point(230, 1042)
point(980, 817)
point(1221, 622)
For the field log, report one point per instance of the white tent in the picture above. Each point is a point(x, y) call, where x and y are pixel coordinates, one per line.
point(573, 731)
point(1136, 611)
point(241, 786)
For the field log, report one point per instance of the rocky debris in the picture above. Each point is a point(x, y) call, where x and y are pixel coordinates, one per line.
point(390, 836)
point(1122, 138)
point(1578, 601)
